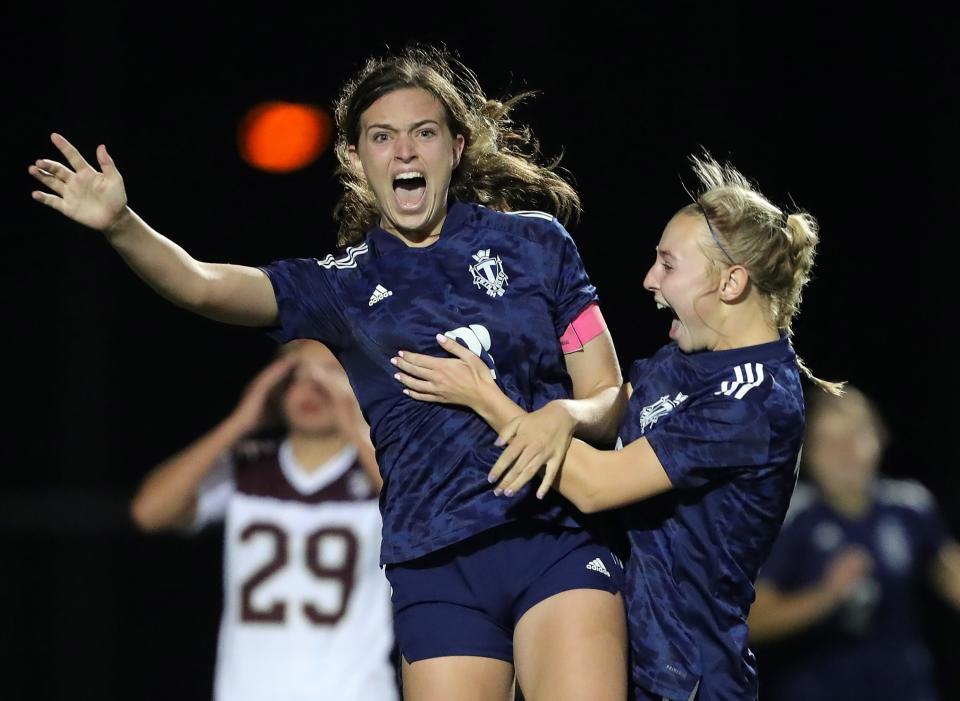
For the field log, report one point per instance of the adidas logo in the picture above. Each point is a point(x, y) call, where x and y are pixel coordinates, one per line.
point(748, 376)
point(597, 566)
point(379, 294)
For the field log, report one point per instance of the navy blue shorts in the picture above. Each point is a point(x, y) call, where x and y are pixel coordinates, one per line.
point(466, 599)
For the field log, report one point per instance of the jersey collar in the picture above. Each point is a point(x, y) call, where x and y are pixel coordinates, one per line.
point(781, 349)
point(311, 482)
point(385, 242)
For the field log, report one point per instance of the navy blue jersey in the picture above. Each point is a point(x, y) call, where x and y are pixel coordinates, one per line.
point(727, 426)
point(869, 648)
point(504, 285)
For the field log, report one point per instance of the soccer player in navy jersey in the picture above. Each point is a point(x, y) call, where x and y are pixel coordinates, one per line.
point(841, 589)
point(306, 607)
point(431, 169)
point(711, 436)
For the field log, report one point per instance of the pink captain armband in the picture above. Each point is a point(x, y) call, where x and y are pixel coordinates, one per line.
point(587, 326)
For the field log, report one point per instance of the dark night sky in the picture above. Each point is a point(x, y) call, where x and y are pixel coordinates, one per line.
point(852, 118)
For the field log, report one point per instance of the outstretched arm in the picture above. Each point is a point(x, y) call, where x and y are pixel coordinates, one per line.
point(230, 293)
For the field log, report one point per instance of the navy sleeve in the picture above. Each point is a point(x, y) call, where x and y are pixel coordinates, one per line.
point(637, 371)
point(784, 567)
point(573, 290)
point(307, 302)
point(931, 532)
point(709, 440)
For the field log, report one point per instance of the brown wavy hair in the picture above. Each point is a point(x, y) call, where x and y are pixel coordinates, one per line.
point(501, 163)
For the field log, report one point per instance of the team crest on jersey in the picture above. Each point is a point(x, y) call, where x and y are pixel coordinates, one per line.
point(488, 273)
point(660, 408)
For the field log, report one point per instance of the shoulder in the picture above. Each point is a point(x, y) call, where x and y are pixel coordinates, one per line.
point(538, 227)
point(746, 382)
point(771, 387)
point(308, 270)
point(252, 458)
point(346, 259)
point(641, 367)
point(908, 495)
point(254, 449)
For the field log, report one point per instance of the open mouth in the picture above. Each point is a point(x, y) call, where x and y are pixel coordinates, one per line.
point(675, 323)
point(663, 306)
point(410, 189)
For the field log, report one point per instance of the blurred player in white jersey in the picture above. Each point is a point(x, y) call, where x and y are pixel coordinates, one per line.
point(306, 606)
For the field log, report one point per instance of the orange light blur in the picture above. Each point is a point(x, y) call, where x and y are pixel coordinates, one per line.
point(280, 137)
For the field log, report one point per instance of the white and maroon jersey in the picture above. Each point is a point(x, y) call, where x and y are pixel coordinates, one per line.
point(306, 607)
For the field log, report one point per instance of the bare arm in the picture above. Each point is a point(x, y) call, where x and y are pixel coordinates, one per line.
point(231, 293)
point(597, 406)
point(945, 573)
point(597, 480)
point(776, 614)
point(234, 294)
point(592, 479)
point(167, 498)
point(539, 439)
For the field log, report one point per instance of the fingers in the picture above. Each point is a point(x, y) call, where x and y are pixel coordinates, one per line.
point(311, 370)
point(274, 373)
point(412, 383)
point(334, 383)
point(48, 179)
point(503, 463)
point(508, 433)
point(525, 468)
point(106, 162)
point(421, 366)
point(69, 152)
point(417, 363)
point(50, 200)
point(284, 362)
point(460, 351)
point(433, 398)
point(521, 462)
point(454, 348)
point(549, 477)
point(58, 170)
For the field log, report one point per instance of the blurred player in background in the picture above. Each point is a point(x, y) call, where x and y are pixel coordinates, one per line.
point(841, 588)
point(306, 606)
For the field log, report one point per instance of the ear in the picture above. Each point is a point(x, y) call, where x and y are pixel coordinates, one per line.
point(458, 145)
point(355, 161)
point(733, 283)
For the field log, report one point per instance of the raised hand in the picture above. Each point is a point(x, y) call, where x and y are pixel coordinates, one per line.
point(334, 382)
point(96, 199)
point(251, 411)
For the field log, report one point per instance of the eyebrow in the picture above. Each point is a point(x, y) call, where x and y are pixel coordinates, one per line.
point(665, 253)
point(390, 127)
